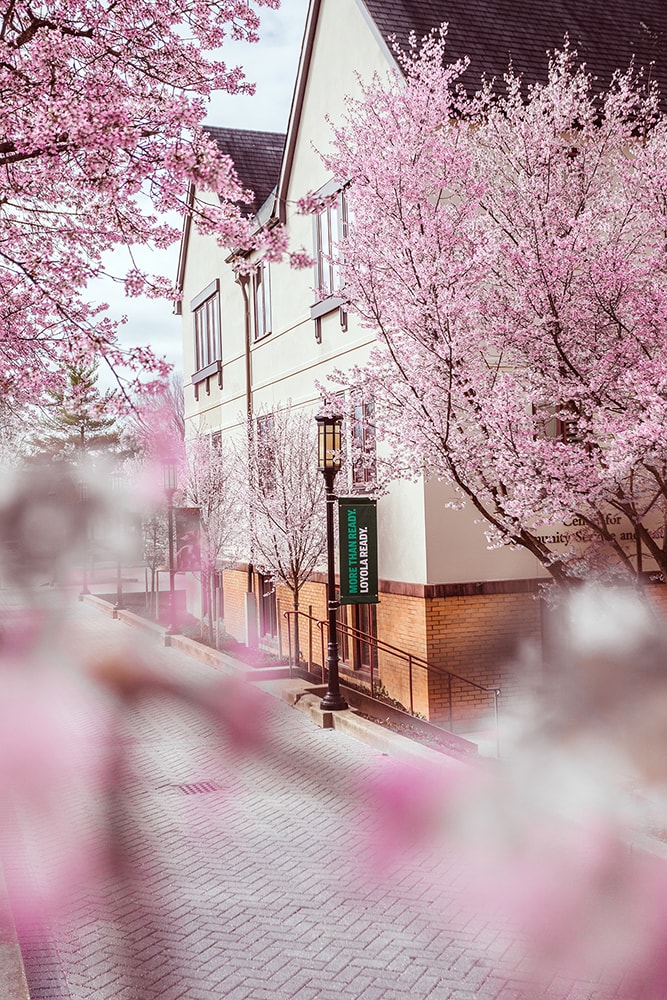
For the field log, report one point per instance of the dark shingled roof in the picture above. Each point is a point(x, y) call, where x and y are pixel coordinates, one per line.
point(256, 156)
point(605, 33)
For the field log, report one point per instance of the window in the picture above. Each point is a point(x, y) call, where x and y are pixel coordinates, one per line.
point(268, 607)
point(558, 426)
point(207, 333)
point(330, 227)
point(265, 451)
point(261, 298)
point(359, 629)
point(364, 466)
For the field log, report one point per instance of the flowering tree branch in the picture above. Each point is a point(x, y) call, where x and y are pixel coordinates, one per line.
point(101, 133)
point(510, 252)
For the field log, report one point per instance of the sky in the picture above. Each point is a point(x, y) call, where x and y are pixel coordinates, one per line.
point(271, 64)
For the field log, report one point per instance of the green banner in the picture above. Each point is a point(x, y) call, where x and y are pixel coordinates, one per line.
point(357, 530)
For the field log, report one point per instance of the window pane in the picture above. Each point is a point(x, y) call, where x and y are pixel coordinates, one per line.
point(208, 342)
point(325, 243)
point(260, 325)
point(266, 284)
point(363, 444)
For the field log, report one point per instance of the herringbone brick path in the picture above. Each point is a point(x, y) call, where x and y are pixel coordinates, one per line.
point(250, 876)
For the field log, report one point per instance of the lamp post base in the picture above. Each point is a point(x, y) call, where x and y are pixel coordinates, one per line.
point(333, 703)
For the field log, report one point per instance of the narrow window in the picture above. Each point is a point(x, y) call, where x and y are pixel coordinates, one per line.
point(330, 227)
point(206, 325)
point(261, 294)
point(265, 452)
point(268, 607)
point(364, 464)
point(558, 426)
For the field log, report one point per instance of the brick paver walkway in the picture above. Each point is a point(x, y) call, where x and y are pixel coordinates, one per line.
point(251, 876)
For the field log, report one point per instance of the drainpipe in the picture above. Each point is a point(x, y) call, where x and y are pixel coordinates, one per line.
point(249, 598)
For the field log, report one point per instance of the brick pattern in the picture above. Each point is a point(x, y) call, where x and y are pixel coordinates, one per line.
point(235, 584)
point(478, 638)
point(274, 887)
point(312, 601)
point(474, 636)
point(657, 598)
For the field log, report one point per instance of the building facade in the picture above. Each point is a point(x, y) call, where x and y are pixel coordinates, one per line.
point(253, 341)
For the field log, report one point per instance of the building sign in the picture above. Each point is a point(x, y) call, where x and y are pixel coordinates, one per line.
point(357, 530)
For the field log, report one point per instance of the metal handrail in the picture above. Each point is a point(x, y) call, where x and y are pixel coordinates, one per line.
point(381, 646)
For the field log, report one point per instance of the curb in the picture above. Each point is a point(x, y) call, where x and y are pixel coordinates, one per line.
point(97, 602)
point(12, 969)
point(373, 735)
point(211, 657)
point(294, 693)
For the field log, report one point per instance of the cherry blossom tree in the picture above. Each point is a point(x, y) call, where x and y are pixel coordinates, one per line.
point(212, 485)
point(154, 428)
point(284, 498)
point(154, 432)
point(101, 134)
point(509, 249)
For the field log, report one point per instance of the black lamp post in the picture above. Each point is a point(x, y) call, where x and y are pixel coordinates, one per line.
point(117, 489)
point(169, 483)
point(328, 462)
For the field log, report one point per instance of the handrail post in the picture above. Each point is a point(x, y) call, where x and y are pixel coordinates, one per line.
point(322, 649)
point(372, 684)
point(451, 710)
point(496, 693)
point(310, 638)
point(412, 702)
point(280, 630)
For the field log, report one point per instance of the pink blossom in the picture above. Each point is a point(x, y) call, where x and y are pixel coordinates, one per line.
point(101, 118)
point(507, 250)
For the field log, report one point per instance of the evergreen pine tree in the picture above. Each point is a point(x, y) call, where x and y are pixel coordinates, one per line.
point(74, 421)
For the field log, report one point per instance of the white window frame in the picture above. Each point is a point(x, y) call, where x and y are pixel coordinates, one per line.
point(363, 445)
point(330, 226)
point(207, 327)
point(261, 300)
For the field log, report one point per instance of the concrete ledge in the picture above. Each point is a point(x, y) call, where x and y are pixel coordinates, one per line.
point(223, 662)
point(101, 605)
point(372, 734)
point(12, 971)
point(129, 618)
point(212, 657)
point(379, 711)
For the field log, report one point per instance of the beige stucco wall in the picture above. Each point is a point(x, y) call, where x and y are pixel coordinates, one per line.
point(421, 541)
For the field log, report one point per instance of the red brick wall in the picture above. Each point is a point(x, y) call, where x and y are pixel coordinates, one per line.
point(235, 584)
point(401, 622)
point(657, 597)
point(478, 638)
point(474, 636)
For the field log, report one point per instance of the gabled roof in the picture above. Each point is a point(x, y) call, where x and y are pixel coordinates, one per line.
point(257, 157)
point(606, 34)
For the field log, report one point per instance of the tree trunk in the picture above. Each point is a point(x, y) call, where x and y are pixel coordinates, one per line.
point(297, 649)
point(211, 607)
point(203, 594)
